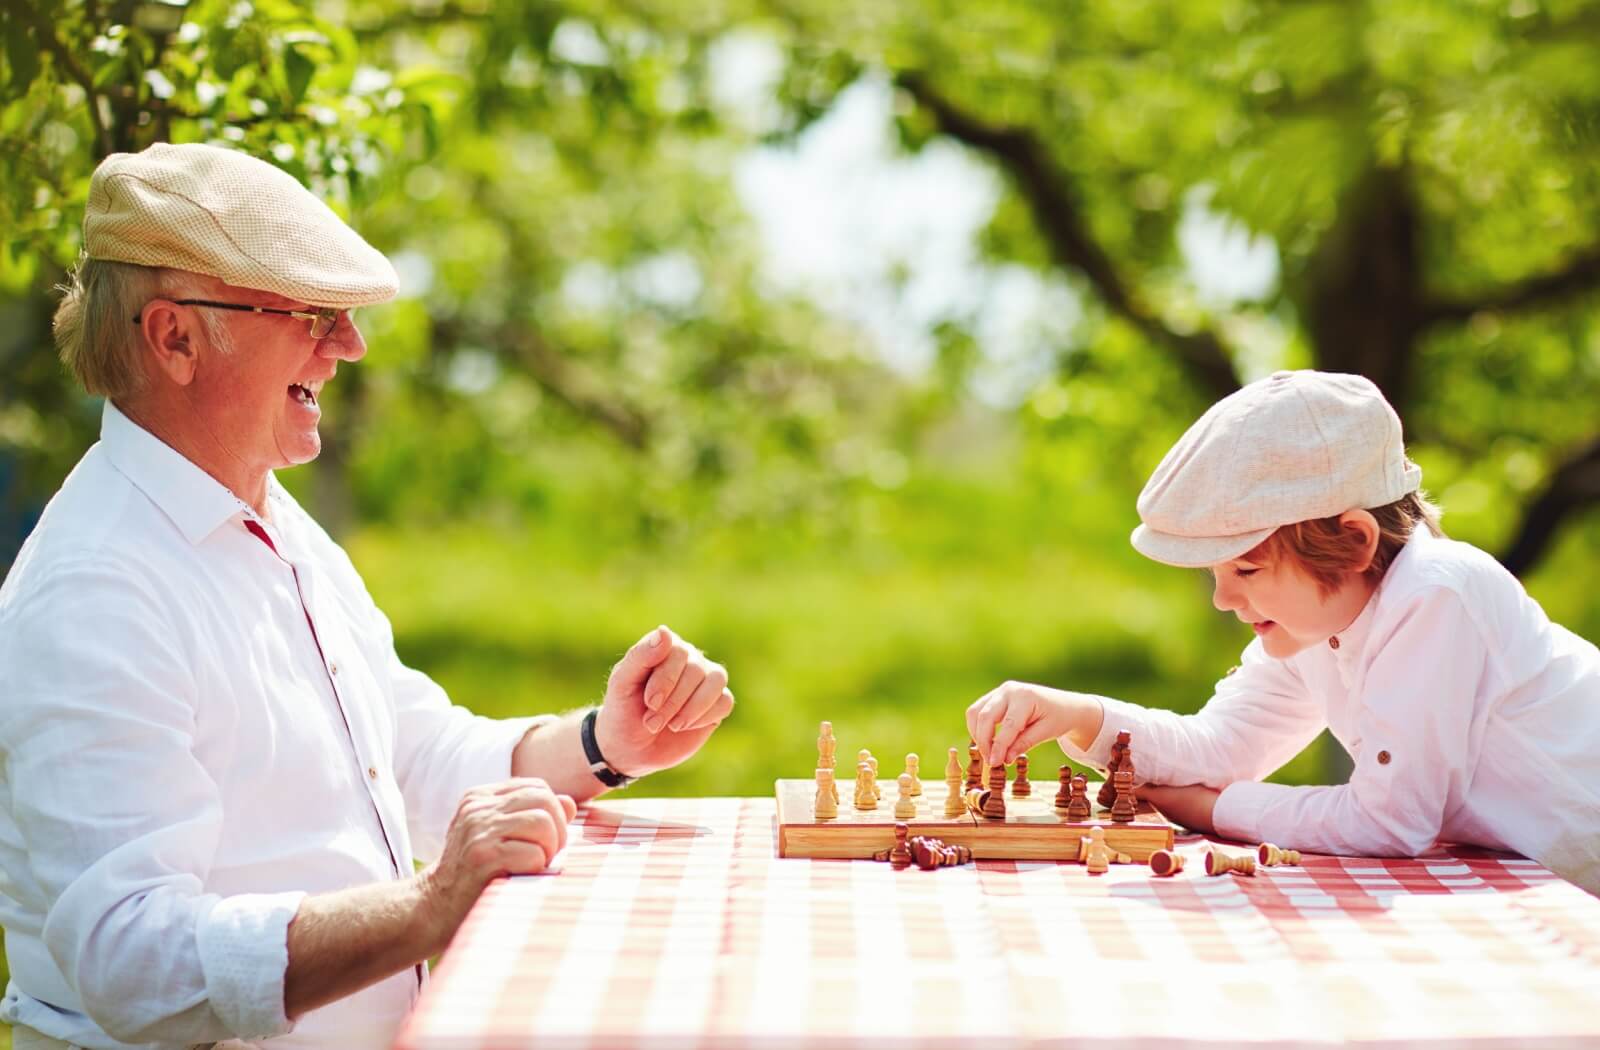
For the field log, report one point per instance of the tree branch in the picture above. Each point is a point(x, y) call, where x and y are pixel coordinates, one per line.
point(1580, 276)
point(1574, 484)
point(1072, 245)
point(46, 35)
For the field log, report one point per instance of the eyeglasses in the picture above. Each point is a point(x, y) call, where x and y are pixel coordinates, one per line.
point(323, 320)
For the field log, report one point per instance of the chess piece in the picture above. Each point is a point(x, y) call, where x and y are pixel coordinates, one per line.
point(1218, 862)
point(914, 767)
point(994, 807)
point(826, 806)
point(974, 767)
point(877, 790)
point(1064, 796)
point(1165, 862)
point(1121, 759)
point(1095, 852)
point(1122, 809)
point(976, 799)
point(1021, 787)
point(866, 795)
point(1270, 856)
point(826, 749)
point(954, 804)
point(905, 807)
point(1078, 804)
point(900, 854)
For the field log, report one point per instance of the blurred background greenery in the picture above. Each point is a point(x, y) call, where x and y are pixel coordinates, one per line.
point(841, 337)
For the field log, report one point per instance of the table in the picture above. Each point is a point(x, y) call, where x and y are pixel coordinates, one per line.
point(674, 924)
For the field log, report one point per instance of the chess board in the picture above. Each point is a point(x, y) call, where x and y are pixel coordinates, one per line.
point(1032, 830)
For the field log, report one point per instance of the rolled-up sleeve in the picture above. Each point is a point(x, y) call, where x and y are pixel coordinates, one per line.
point(1258, 718)
point(121, 822)
point(1419, 736)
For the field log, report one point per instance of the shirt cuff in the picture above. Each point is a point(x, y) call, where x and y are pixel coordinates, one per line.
point(487, 758)
point(1119, 716)
point(244, 952)
point(1241, 809)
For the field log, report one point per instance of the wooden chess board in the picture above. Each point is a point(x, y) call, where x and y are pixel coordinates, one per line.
point(1032, 830)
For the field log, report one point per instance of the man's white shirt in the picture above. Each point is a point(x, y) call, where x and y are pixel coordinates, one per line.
point(1471, 718)
point(199, 727)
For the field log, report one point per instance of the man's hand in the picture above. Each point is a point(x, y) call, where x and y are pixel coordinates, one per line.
point(1190, 806)
point(1009, 720)
point(664, 699)
point(510, 828)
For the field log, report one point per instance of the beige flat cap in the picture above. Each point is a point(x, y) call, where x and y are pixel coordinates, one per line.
point(225, 213)
point(1288, 448)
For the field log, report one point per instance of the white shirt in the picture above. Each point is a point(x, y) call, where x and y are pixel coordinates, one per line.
point(198, 731)
point(1470, 716)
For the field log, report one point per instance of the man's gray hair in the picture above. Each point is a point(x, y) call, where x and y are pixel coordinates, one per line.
point(94, 326)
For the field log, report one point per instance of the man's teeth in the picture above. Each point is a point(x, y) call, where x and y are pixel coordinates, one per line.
point(302, 394)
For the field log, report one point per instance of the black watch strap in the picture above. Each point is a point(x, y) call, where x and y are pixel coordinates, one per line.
point(603, 771)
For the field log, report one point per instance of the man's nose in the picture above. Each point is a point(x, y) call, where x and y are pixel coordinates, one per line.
point(344, 343)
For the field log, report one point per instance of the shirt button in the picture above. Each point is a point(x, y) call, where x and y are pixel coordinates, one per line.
point(1333, 642)
point(333, 666)
point(1383, 758)
point(372, 771)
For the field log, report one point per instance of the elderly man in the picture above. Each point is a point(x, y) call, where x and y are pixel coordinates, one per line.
point(217, 771)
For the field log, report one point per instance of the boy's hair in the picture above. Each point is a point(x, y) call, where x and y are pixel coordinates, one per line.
point(1328, 553)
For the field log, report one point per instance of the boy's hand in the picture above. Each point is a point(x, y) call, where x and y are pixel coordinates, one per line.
point(1190, 806)
point(1007, 721)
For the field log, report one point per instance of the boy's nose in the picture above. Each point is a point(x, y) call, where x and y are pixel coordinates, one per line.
point(1223, 596)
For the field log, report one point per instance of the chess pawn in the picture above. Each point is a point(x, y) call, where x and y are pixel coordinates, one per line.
point(900, 854)
point(1096, 854)
point(877, 789)
point(914, 768)
point(826, 806)
point(866, 797)
point(994, 807)
point(1217, 863)
point(974, 767)
point(1078, 806)
point(1270, 856)
point(905, 807)
point(1122, 810)
point(1165, 862)
point(826, 745)
point(954, 804)
point(1064, 796)
point(1021, 787)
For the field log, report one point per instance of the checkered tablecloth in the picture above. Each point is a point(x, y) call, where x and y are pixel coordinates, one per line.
point(674, 924)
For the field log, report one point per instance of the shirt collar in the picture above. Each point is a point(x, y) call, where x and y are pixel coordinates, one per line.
point(195, 501)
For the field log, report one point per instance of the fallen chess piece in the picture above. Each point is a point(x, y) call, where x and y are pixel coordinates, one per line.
point(1218, 862)
point(1094, 852)
point(930, 853)
point(1270, 856)
point(1165, 863)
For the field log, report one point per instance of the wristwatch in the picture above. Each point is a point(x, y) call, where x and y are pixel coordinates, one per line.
point(603, 771)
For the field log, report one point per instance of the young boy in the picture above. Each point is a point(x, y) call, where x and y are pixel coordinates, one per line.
point(1470, 716)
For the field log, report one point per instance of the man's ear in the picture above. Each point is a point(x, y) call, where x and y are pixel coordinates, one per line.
point(1364, 525)
point(168, 332)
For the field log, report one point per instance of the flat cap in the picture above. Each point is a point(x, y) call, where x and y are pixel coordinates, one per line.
point(224, 213)
point(1288, 448)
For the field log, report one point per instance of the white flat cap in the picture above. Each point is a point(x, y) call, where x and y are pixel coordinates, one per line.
point(225, 213)
point(1288, 448)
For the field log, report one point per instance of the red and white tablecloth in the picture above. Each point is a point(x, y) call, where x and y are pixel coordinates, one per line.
point(674, 924)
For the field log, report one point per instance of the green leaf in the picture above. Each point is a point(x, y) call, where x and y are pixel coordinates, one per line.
point(23, 56)
point(297, 69)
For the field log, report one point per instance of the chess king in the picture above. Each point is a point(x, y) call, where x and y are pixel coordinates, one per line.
point(1469, 716)
point(218, 771)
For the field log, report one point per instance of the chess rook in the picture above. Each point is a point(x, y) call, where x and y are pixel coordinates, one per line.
point(1165, 862)
point(1217, 863)
point(994, 807)
point(1270, 856)
point(1021, 787)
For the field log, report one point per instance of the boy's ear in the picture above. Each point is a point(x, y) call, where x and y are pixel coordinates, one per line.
point(1364, 525)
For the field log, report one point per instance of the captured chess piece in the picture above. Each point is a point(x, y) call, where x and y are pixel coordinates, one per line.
point(954, 804)
point(994, 807)
point(866, 794)
point(1121, 758)
point(900, 854)
point(914, 767)
point(1021, 787)
point(827, 803)
point(1218, 863)
point(1064, 796)
point(974, 768)
point(930, 853)
point(905, 806)
point(1270, 856)
point(1123, 809)
point(976, 799)
point(1165, 862)
point(1096, 854)
point(1078, 809)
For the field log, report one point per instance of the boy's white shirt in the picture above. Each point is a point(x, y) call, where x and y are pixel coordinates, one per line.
point(1471, 718)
